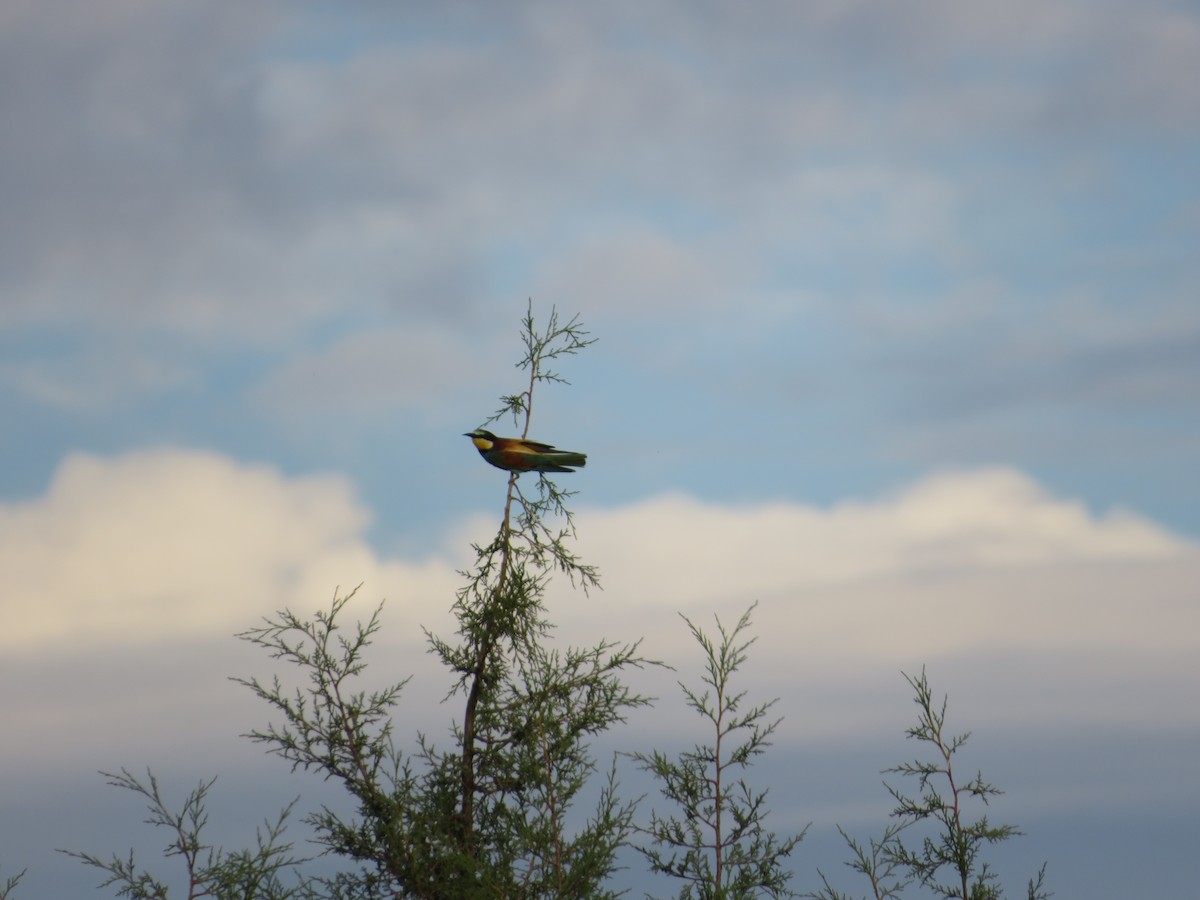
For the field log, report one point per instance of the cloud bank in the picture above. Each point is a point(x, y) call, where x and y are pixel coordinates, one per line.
point(171, 544)
point(1079, 615)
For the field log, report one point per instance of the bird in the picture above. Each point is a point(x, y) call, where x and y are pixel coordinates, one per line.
point(521, 455)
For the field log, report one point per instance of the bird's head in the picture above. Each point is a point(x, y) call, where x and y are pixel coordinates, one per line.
point(481, 438)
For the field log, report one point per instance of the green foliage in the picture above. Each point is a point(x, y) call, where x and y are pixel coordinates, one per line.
point(521, 757)
point(344, 734)
point(934, 841)
point(885, 874)
point(487, 816)
point(493, 814)
point(718, 843)
point(211, 872)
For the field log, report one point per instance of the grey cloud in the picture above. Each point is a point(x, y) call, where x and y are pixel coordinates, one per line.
point(1033, 357)
point(199, 166)
point(129, 132)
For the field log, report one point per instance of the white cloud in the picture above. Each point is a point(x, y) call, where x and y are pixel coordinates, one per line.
point(951, 522)
point(1055, 614)
point(1051, 612)
point(169, 545)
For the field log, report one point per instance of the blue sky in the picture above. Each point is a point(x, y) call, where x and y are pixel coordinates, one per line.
point(898, 333)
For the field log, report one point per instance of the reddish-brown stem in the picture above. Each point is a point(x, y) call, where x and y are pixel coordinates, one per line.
point(718, 850)
point(478, 672)
point(489, 638)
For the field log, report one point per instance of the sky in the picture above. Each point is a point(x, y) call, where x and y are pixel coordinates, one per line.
point(897, 321)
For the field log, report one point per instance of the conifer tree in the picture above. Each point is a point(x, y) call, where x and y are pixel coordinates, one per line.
point(265, 871)
point(487, 815)
point(718, 843)
point(934, 841)
point(490, 810)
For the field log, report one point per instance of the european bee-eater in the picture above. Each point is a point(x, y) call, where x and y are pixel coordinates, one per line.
point(520, 455)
